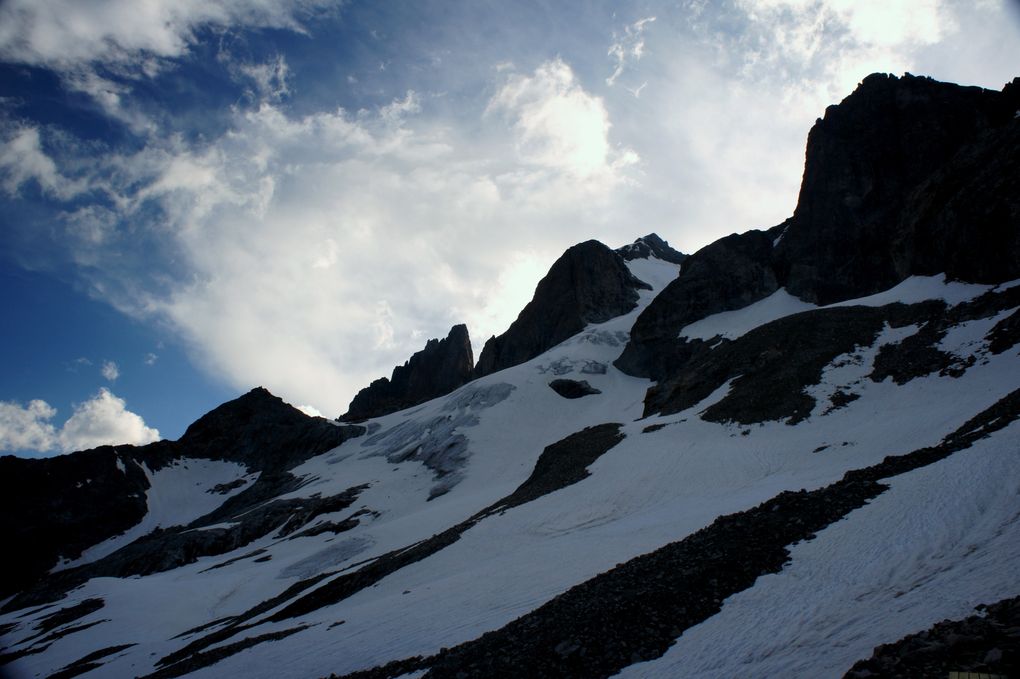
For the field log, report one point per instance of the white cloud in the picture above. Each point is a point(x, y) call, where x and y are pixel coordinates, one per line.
point(56, 33)
point(838, 42)
point(313, 251)
point(110, 370)
point(101, 420)
point(104, 420)
point(558, 124)
point(316, 249)
point(268, 79)
point(628, 48)
point(27, 427)
point(310, 410)
point(151, 358)
point(22, 159)
point(135, 40)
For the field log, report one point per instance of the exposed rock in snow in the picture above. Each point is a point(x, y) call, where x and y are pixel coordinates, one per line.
point(573, 388)
point(651, 246)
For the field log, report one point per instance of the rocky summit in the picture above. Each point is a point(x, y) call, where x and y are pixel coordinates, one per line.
point(589, 283)
point(439, 368)
point(790, 453)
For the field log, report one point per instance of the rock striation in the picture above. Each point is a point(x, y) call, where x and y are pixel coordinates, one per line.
point(906, 176)
point(436, 370)
point(589, 283)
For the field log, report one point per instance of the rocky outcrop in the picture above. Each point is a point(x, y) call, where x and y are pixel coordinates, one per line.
point(573, 388)
point(589, 283)
point(728, 274)
point(772, 365)
point(906, 176)
point(261, 431)
point(57, 507)
point(983, 645)
point(60, 506)
point(651, 246)
point(436, 370)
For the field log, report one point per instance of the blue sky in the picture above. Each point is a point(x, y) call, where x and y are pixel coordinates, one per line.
point(201, 197)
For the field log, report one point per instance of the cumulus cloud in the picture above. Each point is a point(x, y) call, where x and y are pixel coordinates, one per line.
point(110, 370)
point(104, 419)
point(558, 124)
point(27, 427)
point(101, 420)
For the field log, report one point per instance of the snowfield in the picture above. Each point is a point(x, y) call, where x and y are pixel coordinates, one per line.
point(942, 539)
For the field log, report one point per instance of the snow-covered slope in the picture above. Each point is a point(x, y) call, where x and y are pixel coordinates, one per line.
point(767, 458)
point(936, 544)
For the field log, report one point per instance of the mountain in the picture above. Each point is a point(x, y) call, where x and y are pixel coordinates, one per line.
point(790, 453)
point(589, 283)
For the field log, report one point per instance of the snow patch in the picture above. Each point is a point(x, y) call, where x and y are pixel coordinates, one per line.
point(177, 495)
point(921, 289)
point(942, 539)
point(733, 324)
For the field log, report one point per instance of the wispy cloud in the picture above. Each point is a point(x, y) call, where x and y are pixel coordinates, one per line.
point(628, 48)
point(110, 371)
point(22, 159)
point(100, 48)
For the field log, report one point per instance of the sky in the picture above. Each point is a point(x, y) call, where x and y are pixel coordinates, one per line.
point(202, 196)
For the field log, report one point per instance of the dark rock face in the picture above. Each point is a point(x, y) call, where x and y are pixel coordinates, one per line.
point(906, 176)
point(261, 431)
point(728, 274)
point(60, 506)
point(57, 507)
point(436, 370)
point(573, 388)
point(930, 168)
point(589, 283)
point(651, 246)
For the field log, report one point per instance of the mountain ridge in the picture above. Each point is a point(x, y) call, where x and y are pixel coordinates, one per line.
point(826, 465)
